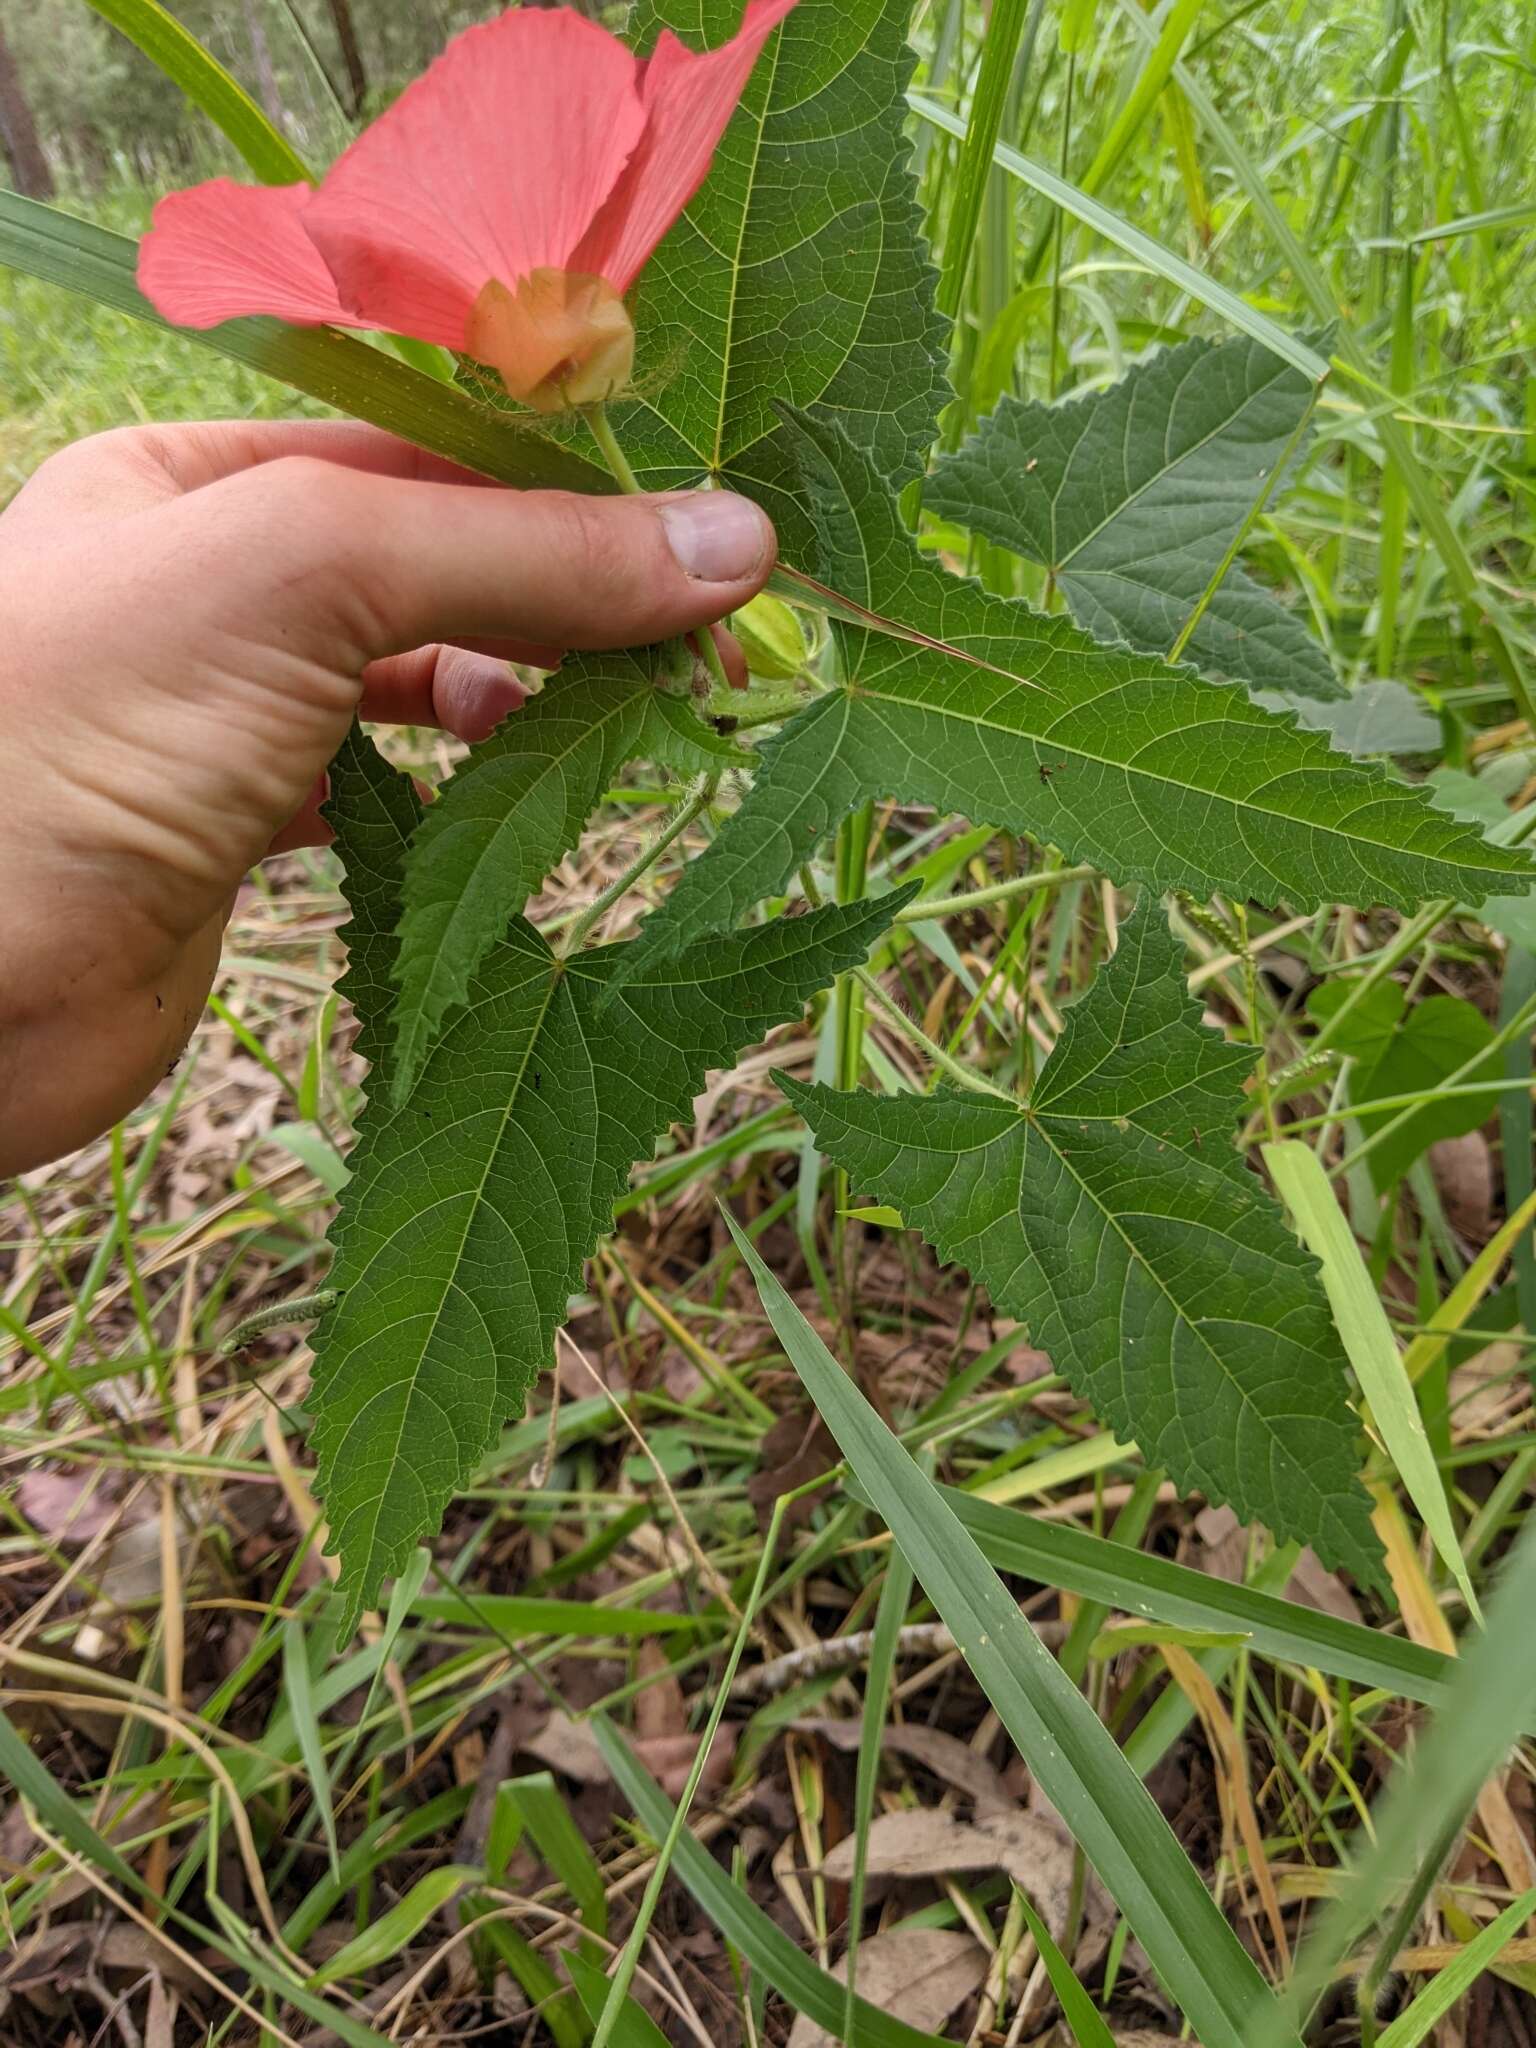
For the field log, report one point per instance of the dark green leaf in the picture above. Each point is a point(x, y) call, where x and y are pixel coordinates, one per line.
point(1112, 1214)
point(372, 809)
point(473, 1207)
point(978, 705)
point(514, 807)
point(1132, 496)
point(797, 272)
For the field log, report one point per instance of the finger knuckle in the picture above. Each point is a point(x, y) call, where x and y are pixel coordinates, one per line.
point(612, 555)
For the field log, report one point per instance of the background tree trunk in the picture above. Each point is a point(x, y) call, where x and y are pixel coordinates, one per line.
point(351, 53)
point(18, 132)
point(266, 78)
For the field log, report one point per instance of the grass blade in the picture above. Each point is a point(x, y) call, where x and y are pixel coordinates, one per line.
point(1082, 2016)
point(195, 72)
point(1114, 228)
point(1441, 1993)
point(746, 1926)
point(1079, 1768)
point(301, 1702)
point(1367, 1337)
point(895, 1595)
point(388, 1935)
point(560, 1842)
point(1430, 1797)
point(1100, 1570)
point(1005, 29)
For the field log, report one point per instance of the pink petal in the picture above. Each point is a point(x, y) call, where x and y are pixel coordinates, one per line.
point(222, 250)
point(492, 165)
point(688, 101)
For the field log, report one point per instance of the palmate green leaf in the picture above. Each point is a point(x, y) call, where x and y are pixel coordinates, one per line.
point(510, 812)
point(978, 705)
point(1132, 496)
point(1112, 1214)
point(472, 1209)
point(798, 271)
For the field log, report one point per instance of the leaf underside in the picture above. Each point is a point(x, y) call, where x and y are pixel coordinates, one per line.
point(798, 272)
point(1012, 719)
point(1132, 496)
point(472, 1209)
point(513, 809)
point(1113, 1216)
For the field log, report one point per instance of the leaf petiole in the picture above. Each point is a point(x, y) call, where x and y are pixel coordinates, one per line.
point(957, 1070)
point(682, 818)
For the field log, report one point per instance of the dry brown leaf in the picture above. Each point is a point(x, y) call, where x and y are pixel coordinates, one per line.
point(660, 1709)
point(160, 2019)
point(1463, 1171)
point(945, 1755)
point(922, 1842)
point(566, 1745)
point(920, 1975)
point(71, 1507)
point(1223, 1552)
point(569, 1746)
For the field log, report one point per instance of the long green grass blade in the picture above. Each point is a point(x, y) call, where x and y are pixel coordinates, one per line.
point(1150, 78)
point(197, 73)
point(1005, 28)
point(745, 1925)
point(1430, 1796)
point(560, 1842)
point(1114, 228)
point(1082, 2016)
point(528, 1614)
point(383, 1940)
point(1073, 1756)
point(1097, 1569)
point(300, 1691)
point(1367, 1337)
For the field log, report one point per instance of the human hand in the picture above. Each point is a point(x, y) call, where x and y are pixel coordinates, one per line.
point(193, 616)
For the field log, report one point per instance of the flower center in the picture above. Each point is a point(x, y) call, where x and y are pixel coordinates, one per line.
point(558, 339)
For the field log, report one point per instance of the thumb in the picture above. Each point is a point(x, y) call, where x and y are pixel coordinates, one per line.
point(398, 563)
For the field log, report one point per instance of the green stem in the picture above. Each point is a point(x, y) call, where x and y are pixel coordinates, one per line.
point(596, 417)
point(709, 652)
point(956, 1069)
point(682, 818)
point(679, 662)
point(995, 892)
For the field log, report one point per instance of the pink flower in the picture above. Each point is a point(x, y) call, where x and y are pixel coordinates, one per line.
point(502, 207)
